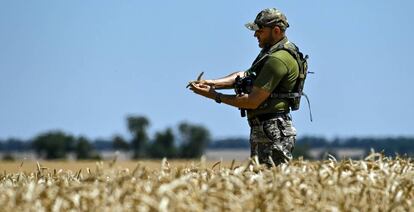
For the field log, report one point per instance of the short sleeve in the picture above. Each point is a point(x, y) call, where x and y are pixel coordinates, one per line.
point(271, 74)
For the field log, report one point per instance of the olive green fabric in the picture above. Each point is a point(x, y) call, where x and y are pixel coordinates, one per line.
point(277, 74)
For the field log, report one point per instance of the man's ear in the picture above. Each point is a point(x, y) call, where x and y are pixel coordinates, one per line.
point(277, 30)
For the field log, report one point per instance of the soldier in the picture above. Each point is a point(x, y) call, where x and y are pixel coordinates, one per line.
point(267, 90)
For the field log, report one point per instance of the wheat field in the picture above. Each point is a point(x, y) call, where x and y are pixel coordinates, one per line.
point(376, 183)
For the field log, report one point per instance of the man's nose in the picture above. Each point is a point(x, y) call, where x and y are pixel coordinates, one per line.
point(256, 33)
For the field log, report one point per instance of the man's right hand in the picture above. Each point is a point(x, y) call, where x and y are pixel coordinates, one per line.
point(197, 81)
point(206, 82)
point(202, 82)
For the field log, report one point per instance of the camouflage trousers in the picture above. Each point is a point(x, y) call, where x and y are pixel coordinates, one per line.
point(272, 140)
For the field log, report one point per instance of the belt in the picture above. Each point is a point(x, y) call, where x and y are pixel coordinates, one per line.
point(257, 120)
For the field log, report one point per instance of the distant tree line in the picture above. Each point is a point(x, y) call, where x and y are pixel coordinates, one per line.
point(389, 146)
point(185, 141)
point(190, 141)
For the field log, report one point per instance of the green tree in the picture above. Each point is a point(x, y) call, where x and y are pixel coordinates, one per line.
point(194, 139)
point(119, 143)
point(301, 150)
point(83, 148)
point(138, 127)
point(8, 157)
point(15, 144)
point(53, 145)
point(163, 145)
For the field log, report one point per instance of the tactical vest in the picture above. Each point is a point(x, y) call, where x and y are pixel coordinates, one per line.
point(293, 97)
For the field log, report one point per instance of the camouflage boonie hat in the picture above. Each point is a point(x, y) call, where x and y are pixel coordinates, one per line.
point(269, 17)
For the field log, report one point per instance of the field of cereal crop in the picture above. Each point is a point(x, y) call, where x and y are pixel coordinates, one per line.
point(374, 184)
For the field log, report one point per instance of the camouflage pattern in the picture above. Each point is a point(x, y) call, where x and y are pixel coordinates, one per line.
point(269, 17)
point(273, 139)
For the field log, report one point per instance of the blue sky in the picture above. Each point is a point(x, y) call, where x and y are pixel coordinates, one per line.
point(83, 66)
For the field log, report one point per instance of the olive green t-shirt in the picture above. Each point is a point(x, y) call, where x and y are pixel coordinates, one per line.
point(278, 74)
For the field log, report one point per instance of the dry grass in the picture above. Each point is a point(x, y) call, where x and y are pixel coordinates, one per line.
point(30, 166)
point(374, 184)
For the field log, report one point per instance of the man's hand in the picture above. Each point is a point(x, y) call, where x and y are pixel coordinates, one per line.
point(205, 82)
point(203, 90)
point(198, 81)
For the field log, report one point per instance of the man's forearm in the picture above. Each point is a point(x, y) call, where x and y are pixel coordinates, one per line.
point(239, 101)
point(247, 101)
point(227, 81)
